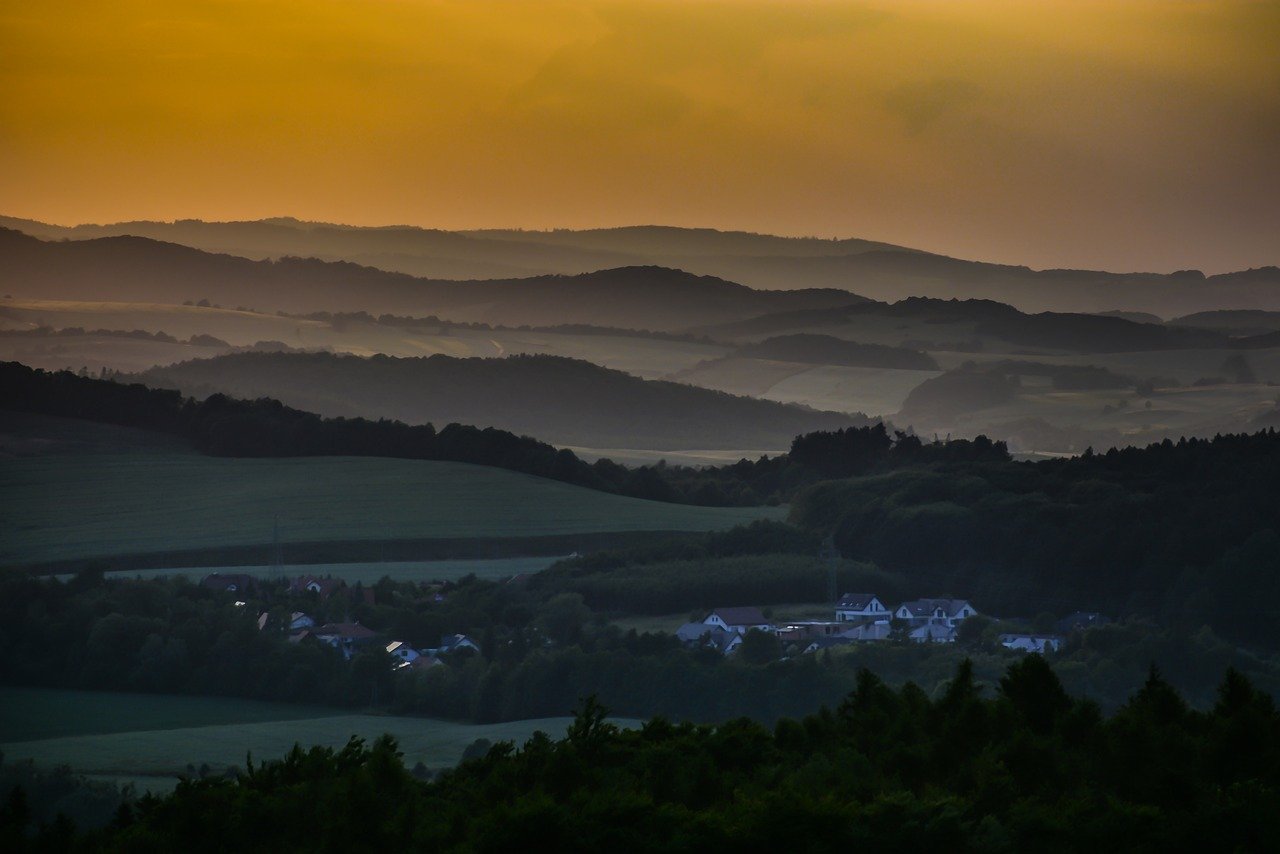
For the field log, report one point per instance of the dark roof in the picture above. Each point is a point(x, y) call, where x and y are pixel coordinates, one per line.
point(926, 607)
point(349, 631)
point(740, 616)
point(326, 585)
point(227, 582)
point(856, 600)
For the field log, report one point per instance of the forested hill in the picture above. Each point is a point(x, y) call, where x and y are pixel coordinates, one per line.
point(224, 426)
point(1187, 532)
point(136, 269)
point(561, 400)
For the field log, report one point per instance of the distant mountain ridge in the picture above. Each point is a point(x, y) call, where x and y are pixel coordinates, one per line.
point(878, 270)
point(140, 269)
point(560, 400)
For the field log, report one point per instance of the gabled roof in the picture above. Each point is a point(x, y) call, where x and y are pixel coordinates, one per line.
point(926, 607)
point(739, 616)
point(238, 582)
point(324, 586)
point(693, 631)
point(856, 601)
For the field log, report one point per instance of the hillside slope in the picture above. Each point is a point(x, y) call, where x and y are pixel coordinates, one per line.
point(564, 401)
point(137, 269)
point(86, 499)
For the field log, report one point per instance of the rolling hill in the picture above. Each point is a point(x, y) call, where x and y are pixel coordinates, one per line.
point(137, 269)
point(564, 401)
point(878, 270)
point(120, 495)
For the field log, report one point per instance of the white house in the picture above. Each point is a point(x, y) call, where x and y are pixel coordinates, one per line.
point(704, 634)
point(946, 612)
point(456, 643)
point(401, 650)
point(861, 606)
point(740, 620)
point(299, 621)
point(1032, 643)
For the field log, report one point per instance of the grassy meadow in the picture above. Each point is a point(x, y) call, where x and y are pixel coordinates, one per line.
point(59, 507)
point(70, 490)
point(149, 740)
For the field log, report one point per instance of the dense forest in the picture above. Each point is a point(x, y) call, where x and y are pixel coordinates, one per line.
point(1023, 767)
point(566, 401)
point(1188, 531)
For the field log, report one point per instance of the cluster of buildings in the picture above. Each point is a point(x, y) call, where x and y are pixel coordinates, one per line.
point(347, 637)
point(863, 617)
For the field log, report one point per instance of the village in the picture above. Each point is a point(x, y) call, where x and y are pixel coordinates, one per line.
point(863, 617)
point(857, 618)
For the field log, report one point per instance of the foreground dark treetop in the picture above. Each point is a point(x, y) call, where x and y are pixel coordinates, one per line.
point(1027, 768)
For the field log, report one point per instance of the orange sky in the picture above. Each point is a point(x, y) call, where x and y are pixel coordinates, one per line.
point(1127, 134)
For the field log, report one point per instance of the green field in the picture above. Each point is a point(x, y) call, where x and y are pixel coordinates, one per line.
point(81, 501)
point(365, 573)
point(149, 740)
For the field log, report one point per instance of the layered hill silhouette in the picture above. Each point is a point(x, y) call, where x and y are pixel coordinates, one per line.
point(878, 270)
point(982, 321)
point(560, 400)
point(139, 269)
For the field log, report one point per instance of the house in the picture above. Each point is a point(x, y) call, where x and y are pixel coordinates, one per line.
point(932, 633)
point(405, 654)
point(1081, 620)
point(701, 634)
point(726, 643)
point(740, 620)
point(693, 632)
point(299, 637)
point(456, 643)
point(947, 612)
point(1032, 643)
point(299, 621)
point(345, 637)
point(229, 583)
point(860, 606)
point(323, 587)
point(818, 644)
point(423, 662)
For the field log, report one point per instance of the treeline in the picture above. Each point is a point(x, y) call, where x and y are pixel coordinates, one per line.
point(541, 646)
point(1023, 767)
point(1188, 531)
point(341, 318)
point(223, 426)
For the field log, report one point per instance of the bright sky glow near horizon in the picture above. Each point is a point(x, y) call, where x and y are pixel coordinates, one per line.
point(1127, 134)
